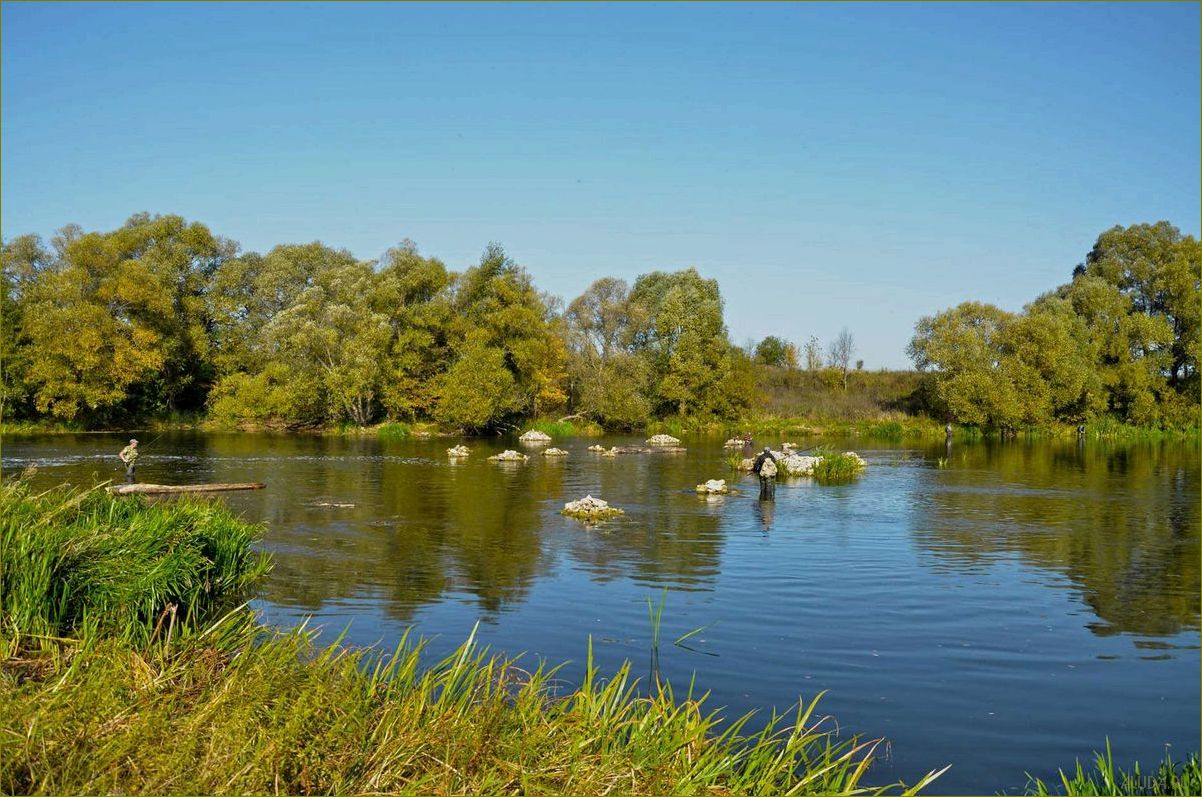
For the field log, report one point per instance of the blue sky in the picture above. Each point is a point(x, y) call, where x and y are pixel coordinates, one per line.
point(831, 165)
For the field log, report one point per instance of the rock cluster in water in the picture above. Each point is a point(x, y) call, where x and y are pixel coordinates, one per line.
point(509, 455)
point(555, 452)
point(789, 464)
point(589, 508)
point(714, 487)
point(734, 442)
point(662, 440)
point(535, 436)
point(458, 451)
point(598, 448)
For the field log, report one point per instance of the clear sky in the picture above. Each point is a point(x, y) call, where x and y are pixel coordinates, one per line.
point(831, 165)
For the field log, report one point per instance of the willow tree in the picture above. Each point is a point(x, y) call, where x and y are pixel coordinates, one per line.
point(118, 322)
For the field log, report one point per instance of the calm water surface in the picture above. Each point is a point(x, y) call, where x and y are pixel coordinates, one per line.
point(1003, 614)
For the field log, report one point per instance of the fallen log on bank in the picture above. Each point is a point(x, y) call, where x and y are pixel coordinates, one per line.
point(159, 489)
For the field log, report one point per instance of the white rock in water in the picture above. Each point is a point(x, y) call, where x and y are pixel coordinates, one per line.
point(589, 508)
point(555, 452)
point(610, 452)
point(459, 451)
point(860, 461)
point(797, 465)
point(733, 442)
point(713, 486)
point(535, 436)
point(509, 455)
point(662, 440)
point(788, 446)
point(597, 448)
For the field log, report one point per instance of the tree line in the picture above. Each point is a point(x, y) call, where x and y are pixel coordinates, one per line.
point(161, 316)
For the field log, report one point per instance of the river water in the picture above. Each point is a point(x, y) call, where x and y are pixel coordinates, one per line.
point(1004, 613)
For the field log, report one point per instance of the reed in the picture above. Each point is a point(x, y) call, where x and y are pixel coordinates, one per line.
point(1169, 778)
point(83, 564)
point(835, 467)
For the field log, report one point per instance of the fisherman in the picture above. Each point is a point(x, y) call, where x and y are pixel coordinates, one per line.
point(767, 474)
point(748, 446)
point(129, 455)
point(947, 430)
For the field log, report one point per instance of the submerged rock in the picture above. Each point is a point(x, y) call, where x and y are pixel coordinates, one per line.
point(598, 448)
point(535, 436)
point(589, 508)
point(509, 455)
point(458, 451)
point(714, 487)
point(663, 440)
point(555, 452)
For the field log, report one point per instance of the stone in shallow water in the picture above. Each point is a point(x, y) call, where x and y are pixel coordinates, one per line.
point(535, 436)
point(509, 455)
point(555, 452)
point(597, 448)
point(459, 451)
point(589, 508)
point(663, 440)
point(714, 487)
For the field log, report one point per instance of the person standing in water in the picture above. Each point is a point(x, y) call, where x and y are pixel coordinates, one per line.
point(765, 467)
point(129, 456)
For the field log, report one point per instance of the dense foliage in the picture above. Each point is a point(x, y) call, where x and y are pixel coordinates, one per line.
point(1120, 339)
point(161, 316)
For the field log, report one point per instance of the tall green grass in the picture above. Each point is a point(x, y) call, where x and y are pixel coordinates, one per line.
point(85, 564)
point(1169, 778)
point(836, 467)
point(393, 430)
point(281, 715)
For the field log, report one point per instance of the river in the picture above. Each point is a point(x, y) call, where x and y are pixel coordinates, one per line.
point(1004, 611)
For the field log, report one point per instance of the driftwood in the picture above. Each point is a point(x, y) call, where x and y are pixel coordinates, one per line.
point(156, 489)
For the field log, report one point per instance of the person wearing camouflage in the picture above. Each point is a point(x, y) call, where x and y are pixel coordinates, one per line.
point(129, 456)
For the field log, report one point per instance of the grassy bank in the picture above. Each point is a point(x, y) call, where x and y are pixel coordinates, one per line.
point(108, 689)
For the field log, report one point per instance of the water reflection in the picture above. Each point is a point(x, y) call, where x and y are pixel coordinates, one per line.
point(1120, 522)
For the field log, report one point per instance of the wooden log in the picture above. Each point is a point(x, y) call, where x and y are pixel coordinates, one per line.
point(158, 489)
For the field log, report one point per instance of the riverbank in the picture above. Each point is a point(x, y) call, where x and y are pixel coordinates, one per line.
point(126, 670)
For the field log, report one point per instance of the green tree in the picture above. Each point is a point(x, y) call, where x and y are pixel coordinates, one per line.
point(414, 293)
point(479, 390)
point(1131, 349)
point(498, 299)
point(772, 351)
point(1160, 271)
point(963, 349)
point(676, 323)
point(22, 259)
